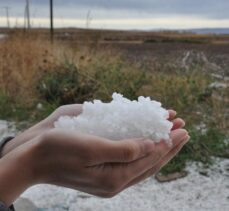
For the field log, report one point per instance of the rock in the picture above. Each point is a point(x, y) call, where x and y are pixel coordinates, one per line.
point(203, 173)
point(170, 177)
point(23, 204)
point(40, 106)
point(84, 196)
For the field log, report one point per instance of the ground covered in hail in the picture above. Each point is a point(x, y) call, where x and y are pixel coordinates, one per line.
point(203, 189)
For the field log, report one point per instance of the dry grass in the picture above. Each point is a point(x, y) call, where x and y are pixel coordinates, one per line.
point(23, 59)
point(26, 58)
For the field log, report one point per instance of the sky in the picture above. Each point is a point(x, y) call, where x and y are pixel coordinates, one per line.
point(121, 14)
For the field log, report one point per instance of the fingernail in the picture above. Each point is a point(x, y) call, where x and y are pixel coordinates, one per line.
point(188, 138)
point(149, 145)
point(183, 122)
point(175, 113)
point(179, 134)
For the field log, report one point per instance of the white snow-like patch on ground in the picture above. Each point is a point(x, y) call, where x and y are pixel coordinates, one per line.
point(7, 129)
point(194, 192)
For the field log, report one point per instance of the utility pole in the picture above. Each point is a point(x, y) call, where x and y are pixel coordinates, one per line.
point(51, 21)
point(27, 13)
point(7, 16)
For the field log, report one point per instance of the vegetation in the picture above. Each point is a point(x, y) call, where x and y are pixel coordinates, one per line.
point(37, 77)
point(202, 147)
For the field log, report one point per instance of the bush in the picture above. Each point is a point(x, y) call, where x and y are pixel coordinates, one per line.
point(118, 77)
point(68, 84)
point(202, 147)
point(178, 91)
point(65, 85)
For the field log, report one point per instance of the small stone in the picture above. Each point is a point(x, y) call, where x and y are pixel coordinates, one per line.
point(84, 196)
point(203, 173)
point(170, 177)
point(40, 106)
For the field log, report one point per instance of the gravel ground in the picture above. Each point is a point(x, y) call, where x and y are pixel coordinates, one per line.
point(202, 190)
point(208, 190)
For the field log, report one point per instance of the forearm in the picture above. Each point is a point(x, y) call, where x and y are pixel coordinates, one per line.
point(16, 174)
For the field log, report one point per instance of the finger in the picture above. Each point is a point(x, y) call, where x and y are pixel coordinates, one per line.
point(159, 165)
point(172, 114)
point(67, 110)
point(70, 110)
point(178, 123)
point(125, 151)
point(139, 167)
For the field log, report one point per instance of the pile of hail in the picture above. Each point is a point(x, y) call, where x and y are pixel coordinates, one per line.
point(121, 119)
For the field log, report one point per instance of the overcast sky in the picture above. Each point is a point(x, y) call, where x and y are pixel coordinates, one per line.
point(121, 14)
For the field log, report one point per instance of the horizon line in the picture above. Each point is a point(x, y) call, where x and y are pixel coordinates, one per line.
point(178, 23)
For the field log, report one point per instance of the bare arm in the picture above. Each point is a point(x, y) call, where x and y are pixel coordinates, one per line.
point(82, 162)
point(15, 174)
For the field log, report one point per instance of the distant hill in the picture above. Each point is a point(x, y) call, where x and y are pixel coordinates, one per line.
point(210, 31)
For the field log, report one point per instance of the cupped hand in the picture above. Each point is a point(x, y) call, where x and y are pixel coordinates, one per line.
point(86, 163)
point(48, 124)
point(97, 165)
point(43, 126)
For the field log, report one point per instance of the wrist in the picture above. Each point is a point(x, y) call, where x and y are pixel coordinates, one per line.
point(42, 159)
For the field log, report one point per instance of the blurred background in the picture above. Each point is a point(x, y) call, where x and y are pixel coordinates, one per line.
point(55, 52)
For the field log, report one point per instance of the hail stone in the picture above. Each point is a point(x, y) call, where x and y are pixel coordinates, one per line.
point(121, 119)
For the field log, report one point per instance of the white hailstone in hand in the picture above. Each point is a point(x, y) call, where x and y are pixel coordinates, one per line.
point(121, 119)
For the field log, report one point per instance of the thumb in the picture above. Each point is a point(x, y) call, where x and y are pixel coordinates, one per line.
point(126, 151)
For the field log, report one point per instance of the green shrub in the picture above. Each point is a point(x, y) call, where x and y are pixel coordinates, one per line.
point(202, 147)
point(178, 91)
point(65, 85)
point(118, 77)
point(11, 110)
point(5, 106)
point(68, 84)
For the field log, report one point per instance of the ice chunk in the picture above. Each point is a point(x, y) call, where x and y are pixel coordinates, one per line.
point(121, 119)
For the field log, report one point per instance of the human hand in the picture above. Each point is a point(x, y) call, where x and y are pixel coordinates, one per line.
point(41, 127)
point(97, 165)
point(48, 123)
point(91, 164)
